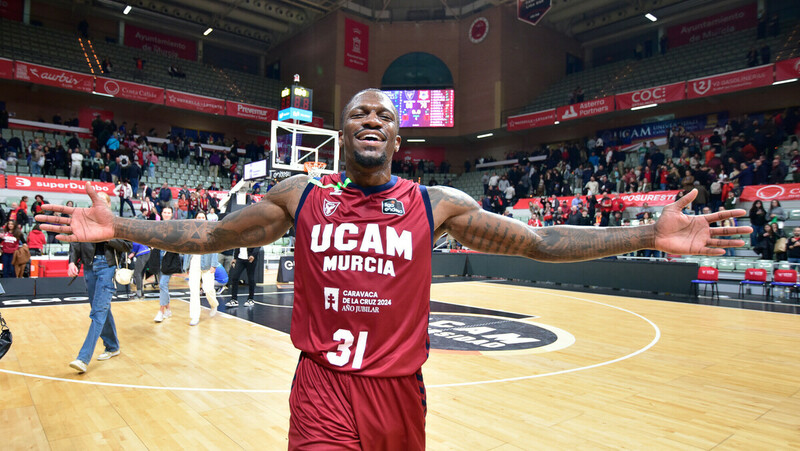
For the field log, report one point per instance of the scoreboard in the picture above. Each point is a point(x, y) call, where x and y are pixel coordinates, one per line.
point(424, 108)
point(296, 97)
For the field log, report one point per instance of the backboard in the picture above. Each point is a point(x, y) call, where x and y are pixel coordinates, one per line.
point(292, 145)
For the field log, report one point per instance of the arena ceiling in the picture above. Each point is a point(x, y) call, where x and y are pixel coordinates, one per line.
point(262, 24)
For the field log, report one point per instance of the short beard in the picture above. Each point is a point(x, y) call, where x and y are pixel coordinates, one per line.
point(370, 162)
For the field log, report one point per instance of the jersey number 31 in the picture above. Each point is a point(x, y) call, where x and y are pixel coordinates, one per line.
point(342, 356)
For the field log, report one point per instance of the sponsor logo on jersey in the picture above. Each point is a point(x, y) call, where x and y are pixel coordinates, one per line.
point(331, 298)
point(329, 207)
point(347, 238)
point(393, 207)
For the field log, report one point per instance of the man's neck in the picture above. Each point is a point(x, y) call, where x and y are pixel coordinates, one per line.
point(366, 178)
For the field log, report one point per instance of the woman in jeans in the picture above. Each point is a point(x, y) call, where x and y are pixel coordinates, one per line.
point(201, 271)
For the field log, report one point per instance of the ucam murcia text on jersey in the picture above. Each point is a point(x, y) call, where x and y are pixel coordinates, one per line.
point(376, 239)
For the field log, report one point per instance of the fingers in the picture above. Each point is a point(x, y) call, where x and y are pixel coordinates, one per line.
point(685, 200)
point(724, 243)
point(52, 219)
point(58, 208)
point(67, 238)
point(721, 231)
point(56, 228)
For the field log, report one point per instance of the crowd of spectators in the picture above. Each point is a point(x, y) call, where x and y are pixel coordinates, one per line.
point(744, 151)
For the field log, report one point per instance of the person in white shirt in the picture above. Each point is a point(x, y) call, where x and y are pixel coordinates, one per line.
point(592, 186)
point(77, 164)
point(493, 180)
point(124, 191)
point(245, 259)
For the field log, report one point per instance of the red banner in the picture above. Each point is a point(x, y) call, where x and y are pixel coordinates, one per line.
point(635, 200)
point(194, 102)
point(11, 9)
point(531, 120)
point(51, 76)
point(130, 91)
point(6, 68)
point(317, 122)
point(787, 69)
point(415, 154)
point(658, 94)
point(56, 185)
point(788, 191)
point(160, 43)
point(730, 82)
point(356, 45)
point(712, 26)
point(247, 111)
point(585, 109)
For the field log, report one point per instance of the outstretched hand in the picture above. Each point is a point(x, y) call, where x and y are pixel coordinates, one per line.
point(677, 233)
point(83, 225)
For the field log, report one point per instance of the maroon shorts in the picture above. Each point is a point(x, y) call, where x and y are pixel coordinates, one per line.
point(337, 410)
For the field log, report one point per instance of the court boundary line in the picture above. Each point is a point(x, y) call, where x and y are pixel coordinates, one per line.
point(456, 384)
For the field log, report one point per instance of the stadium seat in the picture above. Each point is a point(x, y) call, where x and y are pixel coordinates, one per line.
point(794, 214)
point(754, 276)
point(786, 278)
point(708, 277)
point(726, 265)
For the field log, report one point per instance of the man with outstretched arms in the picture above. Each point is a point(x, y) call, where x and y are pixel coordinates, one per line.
point(363, 272)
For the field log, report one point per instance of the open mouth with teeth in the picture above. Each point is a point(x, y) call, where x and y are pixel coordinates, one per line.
point(370, 137)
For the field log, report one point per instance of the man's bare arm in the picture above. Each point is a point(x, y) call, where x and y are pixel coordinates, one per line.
point(458, 214)
point(254, 225)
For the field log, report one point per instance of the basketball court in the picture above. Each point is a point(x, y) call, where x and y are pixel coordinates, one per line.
point(511, 367)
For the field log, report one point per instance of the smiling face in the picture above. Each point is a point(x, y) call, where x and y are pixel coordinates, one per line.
point(370, 129)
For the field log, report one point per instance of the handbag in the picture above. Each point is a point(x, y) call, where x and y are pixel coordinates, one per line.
point(780, 245)
point(5, 337)
point(122, 276)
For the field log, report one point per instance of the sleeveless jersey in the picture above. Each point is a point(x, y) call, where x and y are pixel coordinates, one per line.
point(363, 276)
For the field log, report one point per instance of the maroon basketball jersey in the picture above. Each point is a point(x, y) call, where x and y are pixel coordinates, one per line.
point(363, 276)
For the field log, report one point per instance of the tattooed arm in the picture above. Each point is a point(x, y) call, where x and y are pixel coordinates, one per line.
point(255, 225)
point(459, 215)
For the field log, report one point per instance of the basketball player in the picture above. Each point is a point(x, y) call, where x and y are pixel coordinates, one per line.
point(363, 273)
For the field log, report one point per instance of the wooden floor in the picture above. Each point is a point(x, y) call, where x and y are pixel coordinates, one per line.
point(641, 374)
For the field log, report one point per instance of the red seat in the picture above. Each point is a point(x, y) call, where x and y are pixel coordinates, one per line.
point(754, 276)
point(786, 278)
point(708, 277)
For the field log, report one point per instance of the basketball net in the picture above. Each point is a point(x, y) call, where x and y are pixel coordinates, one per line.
point(314, 168)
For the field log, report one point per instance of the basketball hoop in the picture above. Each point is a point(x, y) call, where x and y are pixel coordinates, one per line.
point(314, 168)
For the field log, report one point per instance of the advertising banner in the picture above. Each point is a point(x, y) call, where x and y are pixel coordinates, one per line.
point(50, 76)
point(195, 102)
point(130, 91)
point(356, 45)
point(531, 120)
point(626, 135)
point(768, 193)
point(12, 9)
point(658, 95)
point(247, 111)
point(164, 44)
point(585, 109)
point(6, 68)
point(532, 11)
point(56, 185)
point(787, 69)
point(632, 200)
point(739, 80)
point(712, 26)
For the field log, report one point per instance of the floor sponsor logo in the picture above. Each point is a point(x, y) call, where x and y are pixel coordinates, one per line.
point(484, 333)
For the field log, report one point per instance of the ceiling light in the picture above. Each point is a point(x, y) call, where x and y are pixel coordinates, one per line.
point(101, 94)
point(791, 80)
point(485, 135)
point(556, 122)
point(415, 140)
point(127, 9)
point(208, 32)
point(651, 17)
point(649, 105)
